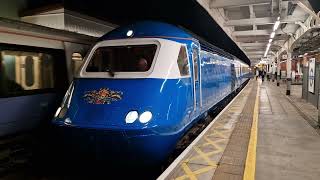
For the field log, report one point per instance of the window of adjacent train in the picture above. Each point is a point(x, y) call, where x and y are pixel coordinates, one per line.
point(183, 62)
point(24, 71)
point(130, 58)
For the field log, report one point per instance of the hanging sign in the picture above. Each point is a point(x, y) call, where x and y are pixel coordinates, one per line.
point(311, 74)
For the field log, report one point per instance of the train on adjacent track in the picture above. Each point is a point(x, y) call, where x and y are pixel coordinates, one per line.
point(36, 65)
point(140, 89)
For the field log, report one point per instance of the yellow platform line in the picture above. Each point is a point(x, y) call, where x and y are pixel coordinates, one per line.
point(250, 167)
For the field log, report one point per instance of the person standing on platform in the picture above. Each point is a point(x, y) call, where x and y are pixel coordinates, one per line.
point(257, 74)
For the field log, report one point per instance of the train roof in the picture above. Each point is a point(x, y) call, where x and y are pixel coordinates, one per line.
point(145, 29)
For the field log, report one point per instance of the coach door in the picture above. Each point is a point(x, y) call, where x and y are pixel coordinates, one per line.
point(233, 77)
point(196, 77)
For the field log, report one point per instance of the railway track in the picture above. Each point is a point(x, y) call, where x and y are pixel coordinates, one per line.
point(15, 153)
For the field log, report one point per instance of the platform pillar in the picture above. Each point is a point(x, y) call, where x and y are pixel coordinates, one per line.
point(278, 72)
point(273, 71)
point(289, 79)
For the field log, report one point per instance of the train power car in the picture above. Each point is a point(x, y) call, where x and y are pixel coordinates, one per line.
point(35, 67)
point(141, 87)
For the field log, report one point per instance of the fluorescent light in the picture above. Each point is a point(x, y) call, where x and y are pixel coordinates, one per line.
point(268, 47)
point(272, 35)
point(265, 53)
point(276, 25)
point(269, 44)
point(270, 40)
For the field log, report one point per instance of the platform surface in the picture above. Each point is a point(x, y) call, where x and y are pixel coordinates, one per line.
point(286, 146)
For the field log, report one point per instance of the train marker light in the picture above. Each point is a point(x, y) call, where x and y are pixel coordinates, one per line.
point(129, 33)
point(145, 117)
point(131, 117)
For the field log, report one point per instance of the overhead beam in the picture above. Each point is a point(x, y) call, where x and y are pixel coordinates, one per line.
point(235, 3)
point(252, 33)
point(254, 48)
point(252, 44)
point(255, 56)
point(251, 39)
point(262, 21)
point(265, 32)
point(255, 52)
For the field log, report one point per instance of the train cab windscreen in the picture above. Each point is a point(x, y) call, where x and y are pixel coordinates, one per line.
point(130, 58)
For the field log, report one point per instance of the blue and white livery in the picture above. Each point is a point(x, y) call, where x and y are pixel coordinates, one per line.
point(141, 87)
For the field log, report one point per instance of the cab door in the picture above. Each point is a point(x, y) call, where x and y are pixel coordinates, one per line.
point(196, 78)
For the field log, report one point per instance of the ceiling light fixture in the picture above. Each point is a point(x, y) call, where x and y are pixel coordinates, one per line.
point(276, 25)
point(272, 35)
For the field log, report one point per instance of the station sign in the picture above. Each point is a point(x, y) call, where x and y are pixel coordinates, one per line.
point(312, 72)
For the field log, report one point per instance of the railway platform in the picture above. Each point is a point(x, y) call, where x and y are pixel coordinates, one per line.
point(261, 134)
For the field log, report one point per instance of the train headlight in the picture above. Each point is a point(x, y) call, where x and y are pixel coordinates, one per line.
point(131, 117)
point(145, 117)
point(129, 33)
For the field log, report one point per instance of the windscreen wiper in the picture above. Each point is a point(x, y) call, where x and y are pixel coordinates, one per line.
point(110, 70)
point(111, 73)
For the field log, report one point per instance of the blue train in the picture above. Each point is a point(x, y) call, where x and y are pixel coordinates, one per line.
point(141, 87)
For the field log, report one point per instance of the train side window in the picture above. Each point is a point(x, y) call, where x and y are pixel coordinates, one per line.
point(23, 72)
point(29, 71)
point(183, 62)
point(195, 64)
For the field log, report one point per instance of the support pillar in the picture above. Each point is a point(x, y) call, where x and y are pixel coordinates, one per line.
point(289, 79)
point(273, 71)
point(278, 72)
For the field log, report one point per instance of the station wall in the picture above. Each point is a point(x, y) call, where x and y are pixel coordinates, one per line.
point(310, 97)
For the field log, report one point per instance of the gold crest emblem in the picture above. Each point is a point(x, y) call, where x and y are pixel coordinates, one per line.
point(102, 96)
